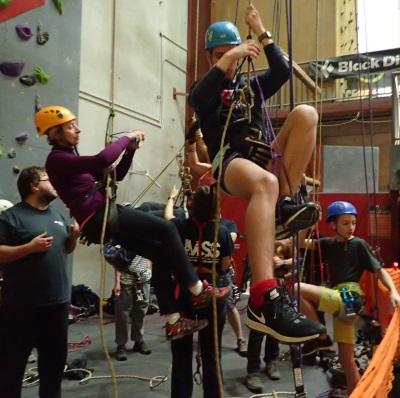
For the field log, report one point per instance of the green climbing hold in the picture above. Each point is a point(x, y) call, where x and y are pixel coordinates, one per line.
point(4, 3)
point(59, 5)
point(38, 72)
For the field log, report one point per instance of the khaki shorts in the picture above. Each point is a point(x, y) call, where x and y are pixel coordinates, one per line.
point(331, 302)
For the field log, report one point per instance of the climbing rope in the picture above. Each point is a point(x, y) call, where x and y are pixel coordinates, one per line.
point(154, 181)
point(102, 289)
point(31, 377)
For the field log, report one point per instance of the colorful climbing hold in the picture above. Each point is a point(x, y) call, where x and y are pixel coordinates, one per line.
point(28, 80)
point(12, 153)
point(12, 68)
point(22, 136)
point(59, 5)
point(4, 3)
point(23, 31)
point(40, 75)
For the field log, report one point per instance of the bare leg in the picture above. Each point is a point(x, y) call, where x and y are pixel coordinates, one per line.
point(260, 187)
point(346, 359)
point(296, 141)
point(246, 180)
point(310, 297)
point(234, 320)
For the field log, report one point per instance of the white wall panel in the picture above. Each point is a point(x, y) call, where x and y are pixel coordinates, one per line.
point(149, 62)
point(96, 47)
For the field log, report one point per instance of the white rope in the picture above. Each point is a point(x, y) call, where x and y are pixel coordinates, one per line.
point(31, 378)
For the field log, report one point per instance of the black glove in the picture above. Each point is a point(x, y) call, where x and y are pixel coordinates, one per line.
point(259, 151)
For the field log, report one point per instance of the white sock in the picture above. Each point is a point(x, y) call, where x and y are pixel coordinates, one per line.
point(197, 288)
point(172, 318)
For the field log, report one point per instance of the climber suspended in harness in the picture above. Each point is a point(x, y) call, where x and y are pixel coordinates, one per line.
point(247, 139)
point(246, 135)
point(112, 216)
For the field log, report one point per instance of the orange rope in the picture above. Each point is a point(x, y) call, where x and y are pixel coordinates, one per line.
point(376, 382)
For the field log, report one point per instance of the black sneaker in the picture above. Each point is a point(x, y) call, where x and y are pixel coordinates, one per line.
point(278, 319)
point(292, 218)
point(317, 345)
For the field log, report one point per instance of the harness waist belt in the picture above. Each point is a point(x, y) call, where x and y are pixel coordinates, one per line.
point(96, 187)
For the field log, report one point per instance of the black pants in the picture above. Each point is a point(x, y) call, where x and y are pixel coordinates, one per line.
point(182, 354)
point(45, 328)
point(271, 352)
point(153, 238)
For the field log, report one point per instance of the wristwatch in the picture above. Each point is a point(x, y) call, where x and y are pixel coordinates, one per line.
point(266, 34)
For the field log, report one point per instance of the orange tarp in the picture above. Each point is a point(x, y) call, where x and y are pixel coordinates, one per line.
point(376, 382)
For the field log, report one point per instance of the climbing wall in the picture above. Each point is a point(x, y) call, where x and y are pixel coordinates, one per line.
point(44, 39)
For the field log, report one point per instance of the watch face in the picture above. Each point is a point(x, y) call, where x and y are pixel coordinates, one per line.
point(266, 34)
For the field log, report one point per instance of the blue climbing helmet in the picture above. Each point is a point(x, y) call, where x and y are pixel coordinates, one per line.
point(222, 33)
point(339, 208)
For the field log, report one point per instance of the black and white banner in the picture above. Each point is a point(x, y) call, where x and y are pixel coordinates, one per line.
point(354, 65)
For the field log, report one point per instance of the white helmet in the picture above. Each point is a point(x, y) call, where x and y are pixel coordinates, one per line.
point(4, 205)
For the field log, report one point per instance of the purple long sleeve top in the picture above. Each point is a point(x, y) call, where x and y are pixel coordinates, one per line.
point(73, 176)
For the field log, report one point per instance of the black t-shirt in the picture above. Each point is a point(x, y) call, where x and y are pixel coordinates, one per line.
point(347, 261)
point(229, 225)
point(211, 96)
point(38, 279)
point(189, 233)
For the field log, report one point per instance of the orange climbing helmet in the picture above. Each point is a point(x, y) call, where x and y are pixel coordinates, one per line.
point(52, 116)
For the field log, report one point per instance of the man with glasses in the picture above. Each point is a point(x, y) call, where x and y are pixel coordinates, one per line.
point(35, 240)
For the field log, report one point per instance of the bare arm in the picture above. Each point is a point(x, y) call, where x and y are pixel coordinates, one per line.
point(117, 283)
point(305, 243)
point(39, 244)
point(225, 263)
point(169, 206)
point(310, 181)
point(387, 281)
point(74, 234)
point(194, 162)
point(137, 137)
